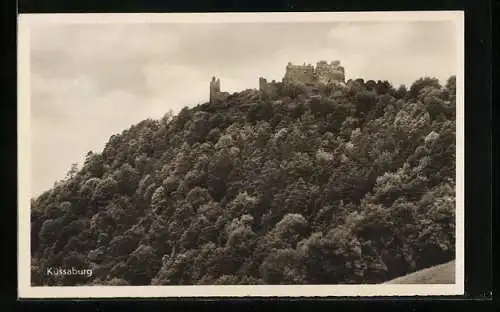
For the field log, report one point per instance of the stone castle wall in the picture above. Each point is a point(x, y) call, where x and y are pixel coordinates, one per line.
point(299, 73)
point(307, 75)
point(312, 78)
point(329, 73)
point(270, 88)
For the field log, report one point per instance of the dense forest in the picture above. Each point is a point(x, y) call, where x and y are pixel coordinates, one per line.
point(355, 184)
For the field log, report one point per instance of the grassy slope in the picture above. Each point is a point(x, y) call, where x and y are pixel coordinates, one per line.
point(439, 274)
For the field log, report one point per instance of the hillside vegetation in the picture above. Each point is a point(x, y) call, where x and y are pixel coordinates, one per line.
point(356, 185)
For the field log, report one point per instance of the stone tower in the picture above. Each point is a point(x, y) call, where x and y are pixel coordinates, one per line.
point(327, 73)
point(214, 88)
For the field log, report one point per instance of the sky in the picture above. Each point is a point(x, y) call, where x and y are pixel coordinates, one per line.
point(90, 81)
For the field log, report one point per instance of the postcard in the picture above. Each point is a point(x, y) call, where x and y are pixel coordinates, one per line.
point(241, 154)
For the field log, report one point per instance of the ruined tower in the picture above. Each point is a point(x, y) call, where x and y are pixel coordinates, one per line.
point(214, 89)
point(328, 73)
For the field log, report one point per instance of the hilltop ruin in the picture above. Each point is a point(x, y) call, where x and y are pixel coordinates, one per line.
point(304, 76)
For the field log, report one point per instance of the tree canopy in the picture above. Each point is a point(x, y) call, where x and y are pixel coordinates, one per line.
point(355, 185)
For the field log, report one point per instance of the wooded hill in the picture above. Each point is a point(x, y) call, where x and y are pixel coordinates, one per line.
point(356, 185)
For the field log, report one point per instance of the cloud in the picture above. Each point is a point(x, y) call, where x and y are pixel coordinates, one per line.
point(364, 36)
point(400, 52)
point(91, 81)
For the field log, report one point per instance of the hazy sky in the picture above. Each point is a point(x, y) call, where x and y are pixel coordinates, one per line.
point(91, 81)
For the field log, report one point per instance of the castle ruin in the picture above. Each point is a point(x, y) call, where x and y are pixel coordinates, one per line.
point(305, 76)
point(323, 73)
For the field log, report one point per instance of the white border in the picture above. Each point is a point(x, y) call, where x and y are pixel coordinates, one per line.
point(24, 171)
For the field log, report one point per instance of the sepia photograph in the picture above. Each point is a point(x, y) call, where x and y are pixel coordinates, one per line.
point(241, 154)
